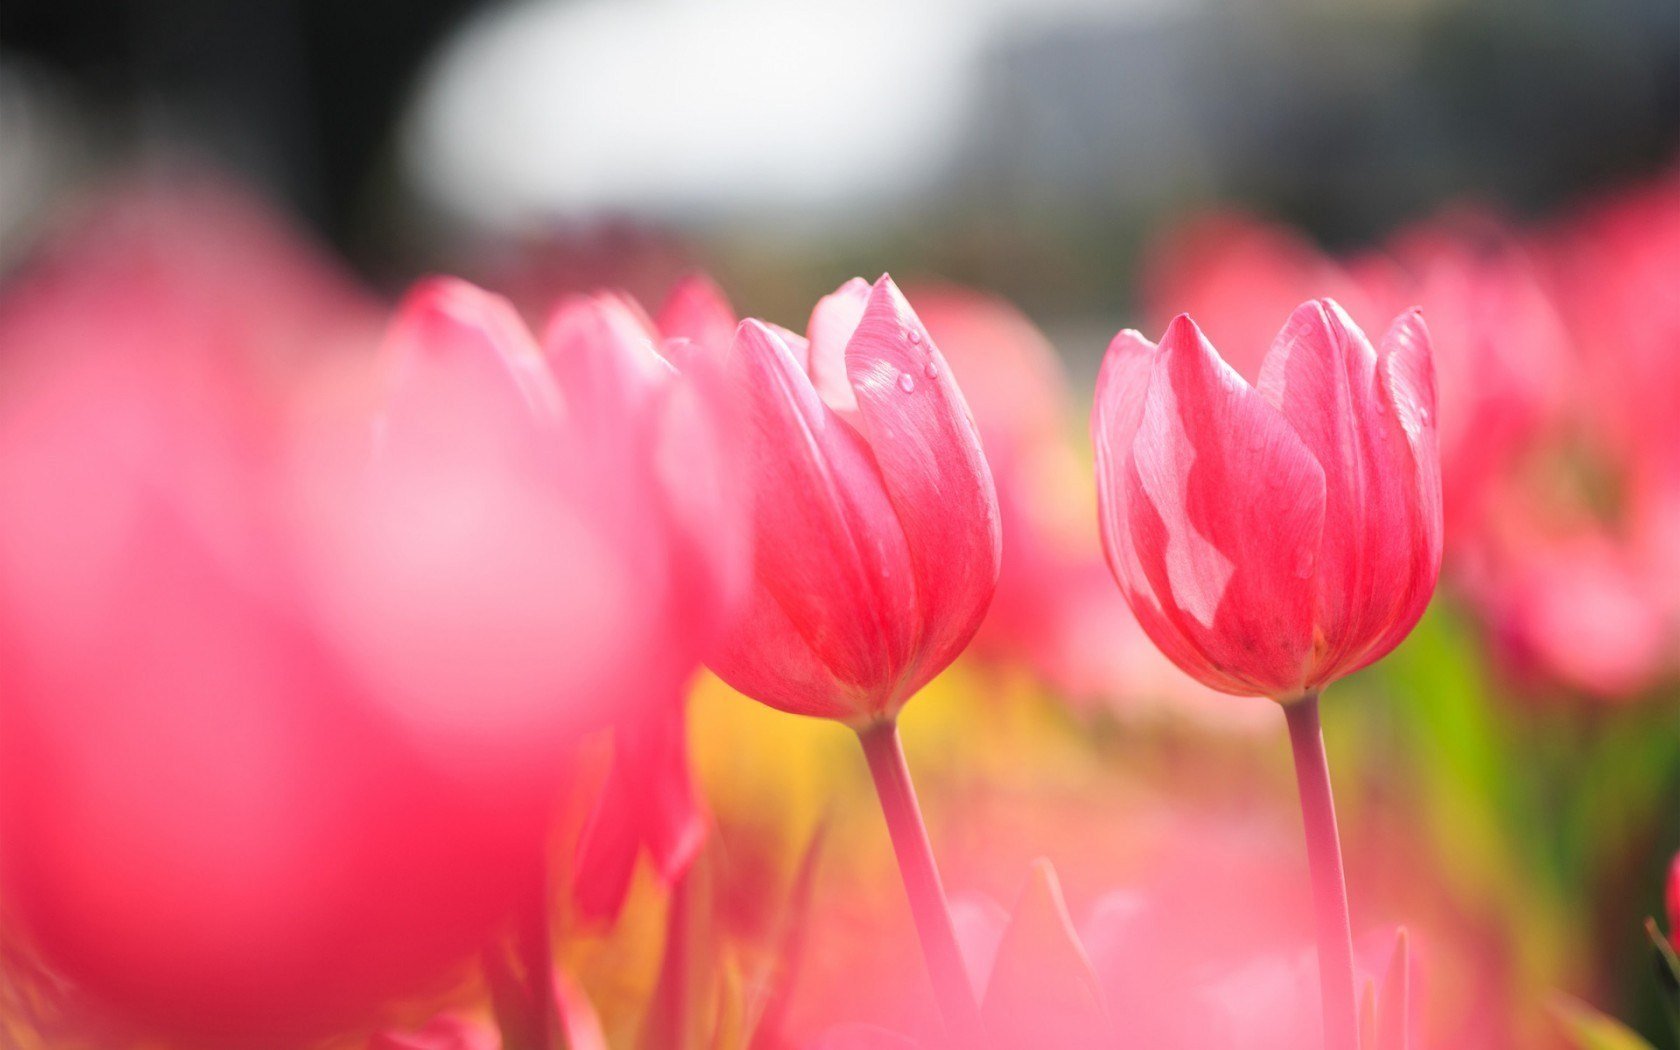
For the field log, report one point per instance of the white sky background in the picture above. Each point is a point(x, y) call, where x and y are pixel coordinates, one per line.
point(690, 110)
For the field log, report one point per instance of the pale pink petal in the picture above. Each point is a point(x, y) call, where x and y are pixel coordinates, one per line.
point(1408, 380)
point(1121, 386)
point(924, 440)
point(833, 321)
point(602, 354)
point(451, 340)
point(1227, 513)
point(1043, 991)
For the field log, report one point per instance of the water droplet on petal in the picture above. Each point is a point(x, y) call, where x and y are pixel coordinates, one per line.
point(931, 370)
point(906, 382)
point(915, 337)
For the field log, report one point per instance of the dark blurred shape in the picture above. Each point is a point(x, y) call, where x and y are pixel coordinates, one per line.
point(1085, 124)
point(297, 94)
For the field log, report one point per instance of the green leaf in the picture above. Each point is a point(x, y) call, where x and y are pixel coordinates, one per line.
point(1668, 971)
point(1587, 1029)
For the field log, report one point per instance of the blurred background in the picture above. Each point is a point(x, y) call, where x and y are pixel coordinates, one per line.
point(1510, 777)
point(1029, 147)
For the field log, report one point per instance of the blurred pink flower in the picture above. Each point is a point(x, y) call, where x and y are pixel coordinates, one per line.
point(517, 559)
point(1237, 274)
point(1501, 352)
point(1271, 539)
point(876, 521)
point(208, 825)
point(1205, 947)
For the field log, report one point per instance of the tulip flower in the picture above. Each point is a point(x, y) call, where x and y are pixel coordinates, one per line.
point(877, 548)
point(1273, 538)
point(570, 585)
point(210, 827)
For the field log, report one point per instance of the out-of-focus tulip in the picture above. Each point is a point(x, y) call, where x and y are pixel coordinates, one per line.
point(647, 803)
point(1272, 538)
point(593, 544)
point(876, 521)
point(574, 576)
point(1174, 960)
point(1500, 351)
point(205, 823)
point(1237, 274)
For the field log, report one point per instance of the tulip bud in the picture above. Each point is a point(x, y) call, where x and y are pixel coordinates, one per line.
point(876, 520)
point(1272, 538)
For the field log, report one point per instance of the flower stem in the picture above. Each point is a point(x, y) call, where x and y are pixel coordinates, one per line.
point(1324, 859)
point(885, 754)
point(536, 944)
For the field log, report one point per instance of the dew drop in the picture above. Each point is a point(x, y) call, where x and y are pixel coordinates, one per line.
point(930, 370)
point(906, 382)
point(915, 337)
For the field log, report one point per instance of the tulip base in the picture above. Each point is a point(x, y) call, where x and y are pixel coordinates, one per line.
point(1324, 859)
point(932, 912)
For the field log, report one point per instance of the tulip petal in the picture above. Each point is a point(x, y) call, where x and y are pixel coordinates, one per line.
point(1121, 386)
point(1042, 989)
point(1227, 512)
point(836, 601)
point(602, 353)
point(832, 323)
point(1326, 379)
point(1408, 386)
point(450, 340)
point(697, 310)
point(925, 442)
point(1321, 373)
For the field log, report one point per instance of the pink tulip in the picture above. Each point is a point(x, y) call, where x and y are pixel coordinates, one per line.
point(1274, 538)
point(574, 576)
point(207, 824)
point(877, 550)
point(877, 524)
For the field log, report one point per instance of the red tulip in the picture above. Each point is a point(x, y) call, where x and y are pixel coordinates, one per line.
point(877, 524)
point(1272, 538)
